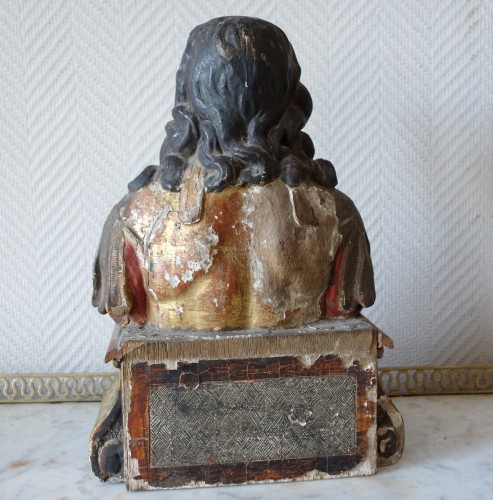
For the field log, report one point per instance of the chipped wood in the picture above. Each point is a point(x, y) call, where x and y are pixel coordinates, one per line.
point(237, 273)
point(182, 361)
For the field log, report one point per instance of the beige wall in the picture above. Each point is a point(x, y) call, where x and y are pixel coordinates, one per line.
point(402, 93)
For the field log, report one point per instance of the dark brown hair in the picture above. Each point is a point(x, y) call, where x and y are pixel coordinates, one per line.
point(239, 109)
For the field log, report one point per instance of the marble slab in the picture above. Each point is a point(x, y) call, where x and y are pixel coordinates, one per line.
point(448, 454)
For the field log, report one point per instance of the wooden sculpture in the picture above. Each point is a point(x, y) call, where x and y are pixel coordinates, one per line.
point(238, 237)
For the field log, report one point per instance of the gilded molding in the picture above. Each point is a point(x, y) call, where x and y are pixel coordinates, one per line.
point(435, 380)
point(395, 381)
point(54, 387)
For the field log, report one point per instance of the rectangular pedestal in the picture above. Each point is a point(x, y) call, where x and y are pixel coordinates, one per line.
point(213, 409)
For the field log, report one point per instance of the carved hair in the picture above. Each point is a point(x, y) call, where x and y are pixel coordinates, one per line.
point(239, 109)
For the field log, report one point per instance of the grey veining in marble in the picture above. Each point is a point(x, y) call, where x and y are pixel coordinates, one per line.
point(448, 454)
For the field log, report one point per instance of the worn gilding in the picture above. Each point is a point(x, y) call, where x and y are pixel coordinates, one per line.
point(220, 271)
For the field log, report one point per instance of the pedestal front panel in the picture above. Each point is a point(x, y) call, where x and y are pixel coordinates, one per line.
point(211, 422)
point(233, 422)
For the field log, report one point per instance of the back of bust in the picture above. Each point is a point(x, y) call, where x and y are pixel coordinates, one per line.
point(257, 256)
point(238, 226)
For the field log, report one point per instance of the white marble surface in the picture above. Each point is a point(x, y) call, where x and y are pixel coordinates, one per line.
point(448, 454)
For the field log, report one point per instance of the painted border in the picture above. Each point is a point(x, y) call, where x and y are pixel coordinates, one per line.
point(142, 377)
point(395, 381)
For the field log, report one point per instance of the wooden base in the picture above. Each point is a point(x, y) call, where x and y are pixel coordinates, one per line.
point(220, 408)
